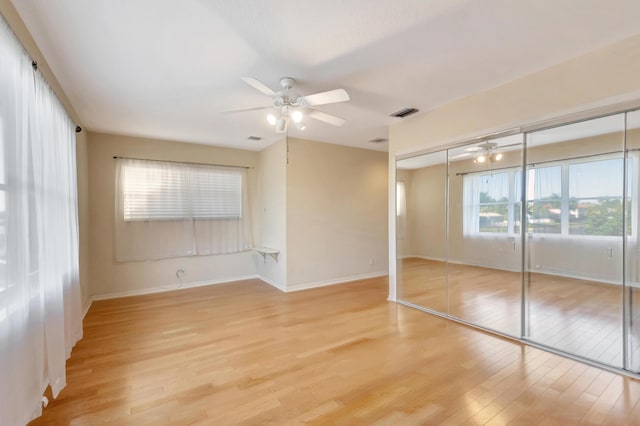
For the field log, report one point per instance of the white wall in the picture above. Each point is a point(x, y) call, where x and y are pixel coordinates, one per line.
point(273, 214)
point(336, 213)
point(109, 277)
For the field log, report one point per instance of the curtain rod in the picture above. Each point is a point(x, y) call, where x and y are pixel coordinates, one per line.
point(519, 166)
point(183, 162)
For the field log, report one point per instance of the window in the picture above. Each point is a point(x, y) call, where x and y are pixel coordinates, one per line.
point(570, 198)
point(166, 209)
point(154, 190)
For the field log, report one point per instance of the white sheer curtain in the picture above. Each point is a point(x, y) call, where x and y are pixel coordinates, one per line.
point(401, 209)
point(167, 209)
point(40, 313)
point(471, 204)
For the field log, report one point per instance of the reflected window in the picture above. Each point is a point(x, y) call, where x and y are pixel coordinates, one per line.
point(491, 202)
point(578, 198)
point(544, 189)
point(595, 198)
point(570, 198)
point(401, 208)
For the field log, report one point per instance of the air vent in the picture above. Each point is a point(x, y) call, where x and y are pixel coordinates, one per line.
point(254, 138)
point(379, 140)
point(404, 112)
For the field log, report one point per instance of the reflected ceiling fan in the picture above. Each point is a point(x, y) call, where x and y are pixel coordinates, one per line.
point(484, 152)
point(290, 105)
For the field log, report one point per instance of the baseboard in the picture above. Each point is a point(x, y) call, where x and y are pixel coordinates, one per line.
point(438, 259)
point(266, 280)
point(538, 271)
point(163, 289)
point(272, 283)
point(341, 280)
point(86, 308)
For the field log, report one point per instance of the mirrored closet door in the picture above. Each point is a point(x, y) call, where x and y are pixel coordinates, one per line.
point(485, 249)
point(531, 235)
point(632, 246)
point(574, 238)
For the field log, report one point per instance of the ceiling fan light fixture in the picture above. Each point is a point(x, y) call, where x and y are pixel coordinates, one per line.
point(498, 156)
point(481, 158)
point(300, 125)
point(281, 125)
point(271, 119)
point(297, 116)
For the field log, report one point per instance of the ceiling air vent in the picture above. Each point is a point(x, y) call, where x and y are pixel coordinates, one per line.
point(254, 138)
point(379, 140)
point(404, 112)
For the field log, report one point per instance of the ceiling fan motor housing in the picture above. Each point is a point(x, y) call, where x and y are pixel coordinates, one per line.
point(287, 83)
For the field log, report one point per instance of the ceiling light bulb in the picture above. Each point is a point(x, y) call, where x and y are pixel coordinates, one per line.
point(297, 116)
point(481, 159)
point(498, 157)
point(271, 119)
point(301, 125)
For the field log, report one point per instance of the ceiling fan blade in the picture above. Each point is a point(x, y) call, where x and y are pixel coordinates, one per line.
point(473, 149)
point(327, 118)
point(329, 97)
point(233, 111)
point(258, 85)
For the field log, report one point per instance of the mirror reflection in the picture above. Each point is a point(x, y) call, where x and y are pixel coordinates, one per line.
point(484, 233)
point(539, 243)
point(421, 230)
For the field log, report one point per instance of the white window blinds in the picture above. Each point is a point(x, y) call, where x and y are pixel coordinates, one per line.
point(167, 209)
point(154, 190)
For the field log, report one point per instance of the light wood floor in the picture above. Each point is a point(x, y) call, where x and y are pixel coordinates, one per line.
point(245, 353)
point(577, 316)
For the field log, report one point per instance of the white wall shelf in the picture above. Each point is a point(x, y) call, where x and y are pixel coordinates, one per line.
point(266, 251)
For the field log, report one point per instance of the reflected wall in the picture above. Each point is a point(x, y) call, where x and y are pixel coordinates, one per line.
point(421, 230)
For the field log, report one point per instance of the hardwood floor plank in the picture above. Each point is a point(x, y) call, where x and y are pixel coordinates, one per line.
point(245, 353)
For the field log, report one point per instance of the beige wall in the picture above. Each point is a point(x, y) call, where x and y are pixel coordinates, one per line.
point(17, 25)
point(82, 165)
point(336, 213)
point(427, 213)
point(273, 213)
point(593, 79)
point(108, 276)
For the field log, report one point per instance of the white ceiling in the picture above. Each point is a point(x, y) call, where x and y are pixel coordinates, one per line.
point(166, 69)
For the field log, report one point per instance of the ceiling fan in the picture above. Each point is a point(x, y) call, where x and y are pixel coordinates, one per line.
point(290, 105)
